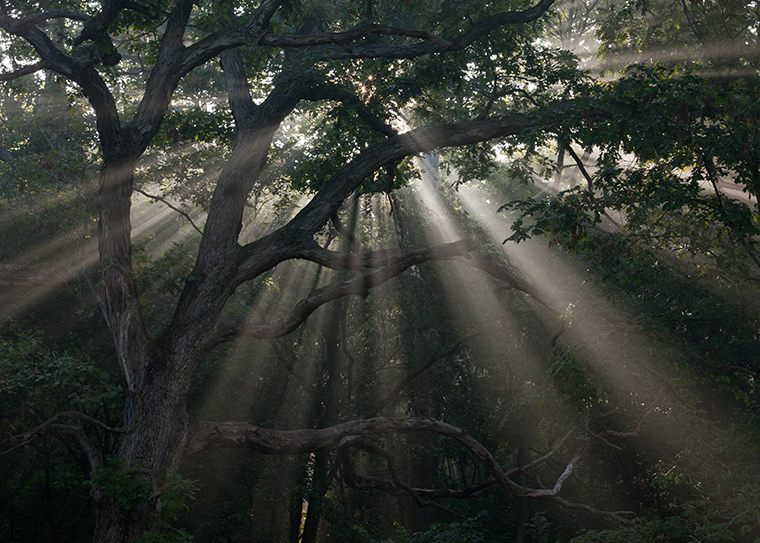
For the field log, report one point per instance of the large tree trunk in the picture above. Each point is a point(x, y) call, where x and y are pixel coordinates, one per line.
point(155, 447)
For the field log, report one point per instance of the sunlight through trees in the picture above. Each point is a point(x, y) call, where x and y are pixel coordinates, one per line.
point(329, 271)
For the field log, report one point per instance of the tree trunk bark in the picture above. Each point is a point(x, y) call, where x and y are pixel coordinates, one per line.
point(523, 456)
point(154, 447)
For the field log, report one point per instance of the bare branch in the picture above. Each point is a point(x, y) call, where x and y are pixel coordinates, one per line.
point(393, 486)
point(170, 206)
point(545, 457)
point(227, 329)
point(207, 435)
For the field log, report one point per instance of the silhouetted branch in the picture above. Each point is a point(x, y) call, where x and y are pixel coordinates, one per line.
point(347, 45)
point(26, 70)
point(207, 435)
point(238, 94)
point(26, 437)
point(335, 93)
point(228, 329)
point(170, 206)
point(376, 259)
point(343, 231)
point(381, 404)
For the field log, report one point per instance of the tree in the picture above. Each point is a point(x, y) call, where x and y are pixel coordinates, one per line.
point(457, 75)
point(158, 432)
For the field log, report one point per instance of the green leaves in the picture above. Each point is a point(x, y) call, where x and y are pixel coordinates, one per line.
point(35, 377)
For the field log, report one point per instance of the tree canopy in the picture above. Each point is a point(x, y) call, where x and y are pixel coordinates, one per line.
point(298, 270)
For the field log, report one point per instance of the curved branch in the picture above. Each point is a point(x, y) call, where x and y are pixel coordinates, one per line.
point(336, 260)
point(330, 197)
point(343, 231)
point(238, 93)
point(79, 69)
point(395, 486)
point(26, 437)
point(228, 329)
point(209, 47)
point(170, 206)
point(339, 45)
point(80, 437)
point(98, 25)
point(207, 435)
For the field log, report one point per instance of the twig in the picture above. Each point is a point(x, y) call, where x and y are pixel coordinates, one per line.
point(169, 205)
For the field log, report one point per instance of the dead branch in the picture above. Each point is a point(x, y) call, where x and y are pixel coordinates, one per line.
point(207, 435)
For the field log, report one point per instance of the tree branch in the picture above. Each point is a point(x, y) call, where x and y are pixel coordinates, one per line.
point(344, 38)
point(238, 93)
point(376, 259)
point(210, 46)
point(228, 329)
point(330, 197)
point(42, 428)
point(339, 45)
point(170, 206)
point(207, 435)
point(334, 92)
point(343, 231)
point(98, 25)
point(26, 70)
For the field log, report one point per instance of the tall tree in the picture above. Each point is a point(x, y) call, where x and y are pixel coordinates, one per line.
point(389, 81)
point(309, 51)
